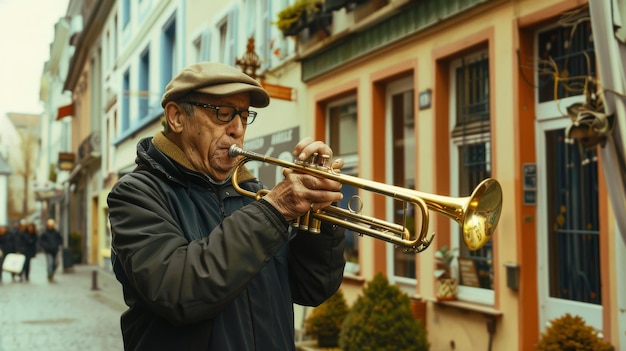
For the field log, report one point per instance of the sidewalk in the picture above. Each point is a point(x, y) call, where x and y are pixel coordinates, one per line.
point(68, 314)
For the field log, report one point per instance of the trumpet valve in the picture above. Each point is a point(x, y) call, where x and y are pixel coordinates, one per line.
point(325, 163)
point(314, 226)
point(313, 159)
point(304, 222)
point(295, 223)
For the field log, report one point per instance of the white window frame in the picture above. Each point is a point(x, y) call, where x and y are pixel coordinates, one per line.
point(351, 162)
point(465, 293)
point(552, 115)
point(408, 285)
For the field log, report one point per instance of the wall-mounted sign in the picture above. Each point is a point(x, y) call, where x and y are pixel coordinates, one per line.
point(66, 161)
point(277, 145)
point(530, 183)
point(469, 277)
point(279, 91)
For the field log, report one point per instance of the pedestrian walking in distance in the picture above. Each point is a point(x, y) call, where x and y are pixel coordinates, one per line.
point(50, 241)
point(3, 237)
point(8, 244)
point(27, 245)
point(202, 266)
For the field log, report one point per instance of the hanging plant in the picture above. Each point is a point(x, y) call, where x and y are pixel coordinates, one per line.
point(290, 21)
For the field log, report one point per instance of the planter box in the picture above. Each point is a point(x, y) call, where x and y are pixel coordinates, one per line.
point(446, 289)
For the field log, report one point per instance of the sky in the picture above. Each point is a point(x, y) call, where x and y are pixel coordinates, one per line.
point(26, 32)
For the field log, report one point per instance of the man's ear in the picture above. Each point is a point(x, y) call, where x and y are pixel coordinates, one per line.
point(174, 115)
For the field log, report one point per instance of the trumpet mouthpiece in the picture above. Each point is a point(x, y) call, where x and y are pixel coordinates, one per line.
point(235, 150)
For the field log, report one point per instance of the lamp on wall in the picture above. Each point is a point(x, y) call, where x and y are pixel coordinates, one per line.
point(425, 98)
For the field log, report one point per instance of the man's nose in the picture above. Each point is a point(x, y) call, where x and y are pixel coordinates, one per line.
point(236, 127)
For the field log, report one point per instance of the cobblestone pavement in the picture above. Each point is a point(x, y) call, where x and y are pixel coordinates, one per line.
point(79, 311)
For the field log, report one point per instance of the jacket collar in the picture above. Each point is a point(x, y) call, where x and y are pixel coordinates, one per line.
point(172, 151)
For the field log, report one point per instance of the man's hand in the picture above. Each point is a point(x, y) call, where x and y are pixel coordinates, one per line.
point(299, 193)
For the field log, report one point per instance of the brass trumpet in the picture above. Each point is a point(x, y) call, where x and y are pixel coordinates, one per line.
point(478, 214)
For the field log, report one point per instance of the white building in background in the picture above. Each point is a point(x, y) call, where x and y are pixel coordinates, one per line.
point(22, 135)
point(56, 133)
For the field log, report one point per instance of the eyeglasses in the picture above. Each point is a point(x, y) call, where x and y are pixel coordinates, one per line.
point(227, 113)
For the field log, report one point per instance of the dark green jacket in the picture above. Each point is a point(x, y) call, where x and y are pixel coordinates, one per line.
point(50, 241)
point(204, 268)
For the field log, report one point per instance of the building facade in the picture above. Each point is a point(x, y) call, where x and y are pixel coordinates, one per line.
point(433, 96)
point(56, 160)
point(22, 137)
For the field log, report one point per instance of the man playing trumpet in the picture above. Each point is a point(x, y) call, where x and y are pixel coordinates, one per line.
point(203, 267)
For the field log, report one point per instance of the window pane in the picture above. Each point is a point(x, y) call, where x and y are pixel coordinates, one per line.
point(403, 151)
point(343, 137)
point(475, 166)
point(566, 59)
point(352, 238)
point(342, 130)
point(472, 134)
point(573, 242)
point(472, 84)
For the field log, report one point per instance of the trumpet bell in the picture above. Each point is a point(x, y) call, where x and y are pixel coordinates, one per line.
point(481, 214)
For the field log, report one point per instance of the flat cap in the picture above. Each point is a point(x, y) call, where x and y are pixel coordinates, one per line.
point(216, 79)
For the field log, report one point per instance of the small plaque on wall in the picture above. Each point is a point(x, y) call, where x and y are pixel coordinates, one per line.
point(468, 272)
point(530, 183)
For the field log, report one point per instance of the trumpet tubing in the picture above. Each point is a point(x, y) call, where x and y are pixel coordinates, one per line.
point(478, 214)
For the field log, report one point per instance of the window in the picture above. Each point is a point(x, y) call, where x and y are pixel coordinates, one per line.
point(343, 139)
point(202, 45)
point(144, 84)
point(125, 13)
point(251, 14)
point(565, 53)
point(95, 103)
point(264, 41)
point(125, 102)
point(108, 50)
point(224, 42)
point(169, 56)
point(571, 227)
point(400, 166)
point(114, 45)
point(143, 8)
point(227, 30)
point(258, 26)
point(471, 160)
point(573, 220)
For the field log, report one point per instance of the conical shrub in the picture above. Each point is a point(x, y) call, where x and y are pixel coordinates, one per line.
point(570, 333)
point(324, 323)
point(380, 320)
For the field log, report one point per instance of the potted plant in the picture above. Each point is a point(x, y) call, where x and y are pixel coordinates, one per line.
point(293, 18)
point(571, 333)
point(381, 319)
point(324, 323)
point(446, 284)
